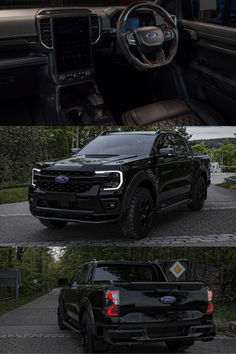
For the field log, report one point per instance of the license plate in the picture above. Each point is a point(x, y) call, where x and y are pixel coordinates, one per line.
point(61, 197)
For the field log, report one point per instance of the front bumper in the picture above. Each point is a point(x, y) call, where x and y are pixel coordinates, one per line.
point(89, 207)
point(124, 335)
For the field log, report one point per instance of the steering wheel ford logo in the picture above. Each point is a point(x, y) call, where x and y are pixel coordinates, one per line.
point(61, 179)
point(151, 35)
point(168, 299)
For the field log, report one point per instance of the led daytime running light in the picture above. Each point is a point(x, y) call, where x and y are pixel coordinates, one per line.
point(107, 173)
point(33, 171)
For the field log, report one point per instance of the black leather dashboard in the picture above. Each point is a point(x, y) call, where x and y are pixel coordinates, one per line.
point(22, 23)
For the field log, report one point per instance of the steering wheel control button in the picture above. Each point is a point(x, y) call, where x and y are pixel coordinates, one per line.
point(131, 39)
point(168, 35)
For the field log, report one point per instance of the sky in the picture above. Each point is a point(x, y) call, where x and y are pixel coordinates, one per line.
point(211, 132)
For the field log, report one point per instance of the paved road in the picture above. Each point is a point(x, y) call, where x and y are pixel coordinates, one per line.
point(218, 178)
point(32, 328)
point(215, 225)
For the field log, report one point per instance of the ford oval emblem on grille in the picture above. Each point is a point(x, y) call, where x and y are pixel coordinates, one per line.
point(168, 299)
point(152, 35)
point(61, 179)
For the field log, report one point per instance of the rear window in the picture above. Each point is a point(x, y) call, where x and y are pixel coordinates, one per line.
point(127, 273)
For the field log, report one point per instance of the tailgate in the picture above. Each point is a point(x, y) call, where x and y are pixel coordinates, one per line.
point(162, 301)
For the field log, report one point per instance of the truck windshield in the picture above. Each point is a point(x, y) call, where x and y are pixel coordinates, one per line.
point(118, 144)
point(127, 273)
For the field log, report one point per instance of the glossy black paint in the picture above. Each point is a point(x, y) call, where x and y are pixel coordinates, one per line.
point(169, 178)
point(142, 315)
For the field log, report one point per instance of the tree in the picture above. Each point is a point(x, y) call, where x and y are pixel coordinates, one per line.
point(201, 148)
point(226, 154)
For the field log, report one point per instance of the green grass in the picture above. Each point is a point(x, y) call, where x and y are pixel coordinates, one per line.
point(8, 305)
point(14, 195)
point(223, 314)
point(228, 185)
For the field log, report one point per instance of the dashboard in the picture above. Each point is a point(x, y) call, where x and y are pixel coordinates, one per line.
point(63, 38)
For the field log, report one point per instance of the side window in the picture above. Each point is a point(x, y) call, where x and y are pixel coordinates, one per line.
point(83, 271)
point(163, 142)
point(180, 145)
point(221, 12)
point(91, 274)
point(228, 13)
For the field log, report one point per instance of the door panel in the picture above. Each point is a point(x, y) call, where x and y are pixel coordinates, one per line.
point(168, 178)
point(207, 54)
point(70, 299)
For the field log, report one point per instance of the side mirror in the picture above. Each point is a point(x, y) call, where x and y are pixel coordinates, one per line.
point(166, 152)
point(74, 285)
point(75, 151)
point(201, 10)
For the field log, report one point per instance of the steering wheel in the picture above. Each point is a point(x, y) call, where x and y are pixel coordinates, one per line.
point(148, 47)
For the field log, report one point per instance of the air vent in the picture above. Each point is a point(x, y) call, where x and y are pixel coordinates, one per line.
point(45, 32)
point(95, 28)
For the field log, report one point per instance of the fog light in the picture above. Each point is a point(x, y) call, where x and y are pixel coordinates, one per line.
point(31, 200)
point(110, 204)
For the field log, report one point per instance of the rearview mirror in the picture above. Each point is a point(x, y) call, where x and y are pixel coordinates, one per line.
point(166, 152)
point(201, 10)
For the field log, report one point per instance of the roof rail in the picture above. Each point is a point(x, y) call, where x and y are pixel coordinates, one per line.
point(109, 131)
point(88, 261)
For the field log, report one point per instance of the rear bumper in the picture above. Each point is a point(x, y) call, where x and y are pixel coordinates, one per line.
point(146, 334)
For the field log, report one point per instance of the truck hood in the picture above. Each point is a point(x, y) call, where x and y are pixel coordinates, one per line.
point(90, 162)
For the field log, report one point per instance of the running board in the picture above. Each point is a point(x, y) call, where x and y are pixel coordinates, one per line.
point(182, 202)
point(71, 327)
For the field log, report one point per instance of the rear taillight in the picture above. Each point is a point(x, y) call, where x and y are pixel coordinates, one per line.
point(112, 303)
point(210, 297)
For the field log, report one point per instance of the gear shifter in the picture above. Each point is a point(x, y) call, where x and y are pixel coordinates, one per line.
point(95, 99)
point(75, 114)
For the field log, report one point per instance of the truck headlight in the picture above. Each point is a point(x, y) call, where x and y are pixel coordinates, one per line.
point(35, 172)
point(113, 179)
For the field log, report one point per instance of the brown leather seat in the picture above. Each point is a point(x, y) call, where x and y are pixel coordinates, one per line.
point(174, 113)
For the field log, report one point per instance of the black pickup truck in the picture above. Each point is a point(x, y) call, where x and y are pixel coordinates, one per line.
point(126, 303)
point(122, 177)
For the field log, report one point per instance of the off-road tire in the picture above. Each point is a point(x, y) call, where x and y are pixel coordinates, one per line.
point(53, 224)
point(61, 316)
point(179, 346)
point(135, 224)
point(91, 344)
point(199, 194)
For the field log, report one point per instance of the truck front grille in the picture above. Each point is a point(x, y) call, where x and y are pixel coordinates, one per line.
point(72, 173)
point(69, 187)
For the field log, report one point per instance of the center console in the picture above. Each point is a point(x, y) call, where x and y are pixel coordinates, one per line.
point(83, 105)
point(68, 36)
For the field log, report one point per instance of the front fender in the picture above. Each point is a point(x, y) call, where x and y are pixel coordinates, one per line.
point(142, 178)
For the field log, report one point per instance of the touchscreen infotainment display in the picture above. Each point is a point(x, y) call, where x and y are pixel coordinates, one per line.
point(72, 43)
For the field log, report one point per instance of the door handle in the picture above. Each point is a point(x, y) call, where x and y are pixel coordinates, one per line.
point(190, 35)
